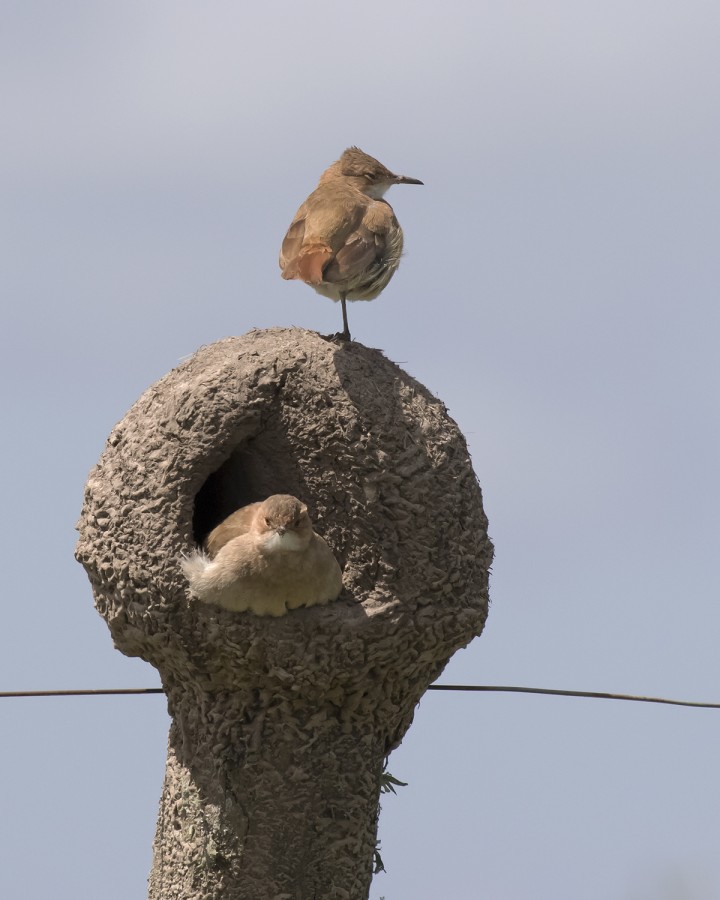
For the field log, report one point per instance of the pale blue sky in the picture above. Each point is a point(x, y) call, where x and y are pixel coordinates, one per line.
point(559, 293)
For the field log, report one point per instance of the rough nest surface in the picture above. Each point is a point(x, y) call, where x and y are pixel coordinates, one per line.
point(388, 482)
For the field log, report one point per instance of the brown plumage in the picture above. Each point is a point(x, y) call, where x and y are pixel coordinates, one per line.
point(265, 558)
point(237, 523)
point(345, 241)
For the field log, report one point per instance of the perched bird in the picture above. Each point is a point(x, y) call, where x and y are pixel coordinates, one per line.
point(345, 241)
point(265, 558)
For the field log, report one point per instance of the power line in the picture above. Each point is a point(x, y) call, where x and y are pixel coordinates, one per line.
point(487, 688)
point(557, 692)
point(83, 693)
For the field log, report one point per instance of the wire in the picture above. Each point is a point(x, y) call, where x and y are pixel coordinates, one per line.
point(556, 692)
point(488, 688)
point(88, 693)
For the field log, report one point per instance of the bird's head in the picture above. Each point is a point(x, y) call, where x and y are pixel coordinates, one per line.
point(365, 173)
point(285, 522)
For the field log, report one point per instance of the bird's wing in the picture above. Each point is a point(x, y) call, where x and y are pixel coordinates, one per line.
point(301, 258)
point(354, 257)
point(365, 244)
point(236, 524)
point(292, 242)
point(321, 228)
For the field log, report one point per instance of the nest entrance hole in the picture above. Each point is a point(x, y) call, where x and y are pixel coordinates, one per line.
point(257, 468)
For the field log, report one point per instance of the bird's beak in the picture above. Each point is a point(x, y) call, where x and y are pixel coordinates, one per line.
point(403, 179)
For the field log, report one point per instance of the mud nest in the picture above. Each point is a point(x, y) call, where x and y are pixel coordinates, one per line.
point(389, 484)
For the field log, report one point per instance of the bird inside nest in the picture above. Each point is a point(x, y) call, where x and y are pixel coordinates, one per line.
point(265, 558)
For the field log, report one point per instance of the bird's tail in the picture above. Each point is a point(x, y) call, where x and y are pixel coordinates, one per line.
point(195, 566)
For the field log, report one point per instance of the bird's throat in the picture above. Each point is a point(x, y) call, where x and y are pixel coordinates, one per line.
point(290, 541)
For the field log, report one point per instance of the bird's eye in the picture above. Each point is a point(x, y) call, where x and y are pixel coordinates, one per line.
point(368, 176)
point(267, 521)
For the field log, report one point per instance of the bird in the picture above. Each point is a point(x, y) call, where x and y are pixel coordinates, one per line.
point(345, 241)
point(264, 558)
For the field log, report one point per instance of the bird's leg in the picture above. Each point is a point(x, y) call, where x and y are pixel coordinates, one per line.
point(346, 330)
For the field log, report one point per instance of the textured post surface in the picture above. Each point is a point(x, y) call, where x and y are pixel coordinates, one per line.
point(280, 726)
